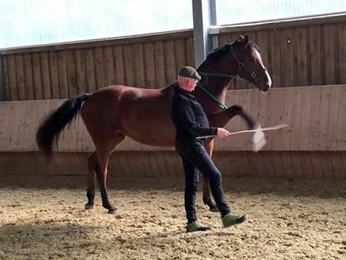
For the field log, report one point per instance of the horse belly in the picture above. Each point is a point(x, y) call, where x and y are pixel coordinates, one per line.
point(153, 139)
point(151, 128)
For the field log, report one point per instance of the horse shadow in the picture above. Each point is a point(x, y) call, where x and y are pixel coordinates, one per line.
point(43, 240)
point(284, 187)
point(161, 241)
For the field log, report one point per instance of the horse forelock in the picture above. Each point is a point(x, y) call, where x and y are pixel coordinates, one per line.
point(251, 46)
point(257, 56)
point(254, 46)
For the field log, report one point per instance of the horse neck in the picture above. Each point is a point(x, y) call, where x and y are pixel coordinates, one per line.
point(217, 86)
point(218, 89)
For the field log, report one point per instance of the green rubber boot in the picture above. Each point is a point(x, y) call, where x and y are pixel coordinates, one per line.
point(230, 220)
point(197, 226)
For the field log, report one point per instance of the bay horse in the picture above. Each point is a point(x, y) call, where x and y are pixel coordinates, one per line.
point(114, 112)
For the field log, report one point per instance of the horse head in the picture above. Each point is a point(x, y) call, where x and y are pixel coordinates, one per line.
point(250, 63)
point(241, 58)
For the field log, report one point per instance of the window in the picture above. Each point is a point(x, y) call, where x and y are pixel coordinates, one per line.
point(232, 12)
point(30, 22)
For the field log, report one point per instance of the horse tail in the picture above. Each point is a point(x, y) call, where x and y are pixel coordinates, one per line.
point(50, 129)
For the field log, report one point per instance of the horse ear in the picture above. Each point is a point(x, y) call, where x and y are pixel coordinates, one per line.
point(243, 39)
point(246, 39)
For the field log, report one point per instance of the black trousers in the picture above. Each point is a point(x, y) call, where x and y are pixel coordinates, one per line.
point(195, 158)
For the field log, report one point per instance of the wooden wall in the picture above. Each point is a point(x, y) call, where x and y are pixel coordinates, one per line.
point(296, 52)
point(313, 146)
point(315, 115)
point(62, 71)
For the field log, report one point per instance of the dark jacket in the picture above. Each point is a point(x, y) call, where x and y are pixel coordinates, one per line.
point(188, 117)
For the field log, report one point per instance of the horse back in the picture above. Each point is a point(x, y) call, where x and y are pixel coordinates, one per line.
point(141, 114)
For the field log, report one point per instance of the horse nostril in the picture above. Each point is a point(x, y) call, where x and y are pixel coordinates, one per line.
point(268, 85)
point(266, 88)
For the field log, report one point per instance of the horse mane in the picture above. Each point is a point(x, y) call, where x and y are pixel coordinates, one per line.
point(220, 51)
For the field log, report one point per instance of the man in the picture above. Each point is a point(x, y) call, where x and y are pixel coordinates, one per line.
point(191, 122)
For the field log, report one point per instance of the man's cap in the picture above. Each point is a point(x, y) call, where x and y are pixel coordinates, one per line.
point(189, 72)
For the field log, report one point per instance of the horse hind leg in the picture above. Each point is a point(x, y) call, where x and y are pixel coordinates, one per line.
point(98, 166)
point(206, 188)
point(206, 195)
point(92, 166)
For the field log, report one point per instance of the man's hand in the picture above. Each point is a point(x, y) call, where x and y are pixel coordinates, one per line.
point(222, 133)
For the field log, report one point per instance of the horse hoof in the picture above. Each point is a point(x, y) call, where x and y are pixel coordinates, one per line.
point(112, 211)
point(214, 209)
point(211, 205)
point(89, 206)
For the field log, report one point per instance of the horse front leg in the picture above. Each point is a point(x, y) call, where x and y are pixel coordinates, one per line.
point(221, 118)
point(209, 146)
point(240, 111)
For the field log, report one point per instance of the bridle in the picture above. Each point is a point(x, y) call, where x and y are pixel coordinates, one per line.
point(241, 66)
